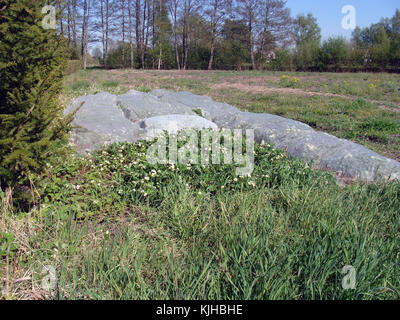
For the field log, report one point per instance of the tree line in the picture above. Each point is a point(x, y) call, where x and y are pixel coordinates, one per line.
point(219, 34)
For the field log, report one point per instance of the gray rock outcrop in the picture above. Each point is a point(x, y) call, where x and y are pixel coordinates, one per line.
point(100, 122)
point(138, 105)
point(173, 123)
point(106, 118)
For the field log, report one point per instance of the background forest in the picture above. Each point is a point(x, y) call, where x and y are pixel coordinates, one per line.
point(220, 34)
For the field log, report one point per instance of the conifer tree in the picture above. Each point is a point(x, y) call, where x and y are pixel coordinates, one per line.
point(32, 63)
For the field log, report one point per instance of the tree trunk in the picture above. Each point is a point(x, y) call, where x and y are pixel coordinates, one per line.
point(146, 42)
point(107, 32)
point(175, 9)
point(74, 34)
point(160, 38)
point(61, 12)
point(69, 18)
point(84, 34)
point(123, 34)
point(103, 35)
point(137, 30)
point(251, 44)
point(213, 34)
point(184, 37)
point(130, 33)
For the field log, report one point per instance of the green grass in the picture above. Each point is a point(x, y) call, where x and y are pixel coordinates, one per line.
point(80, 85)
point(110, 84)
point(116, 227)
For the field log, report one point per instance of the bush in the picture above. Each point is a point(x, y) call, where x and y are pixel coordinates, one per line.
point(114, 58)
point(283, 61)
point(334, 52)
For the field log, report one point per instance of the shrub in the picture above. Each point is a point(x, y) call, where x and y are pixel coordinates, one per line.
point(115, 61)
point(32, 64)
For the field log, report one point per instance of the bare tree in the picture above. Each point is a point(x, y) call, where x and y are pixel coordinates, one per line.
point(139, 42)
point(185, 26)
point(69, 21)
point(248, 10)
point(189, 9)
point(61, 9)
point(72, 30)
point(85, 26)
point(185, 47)
point(123, 31)
point(130, 33)
point(276, 25)
point(217, 14)
point(103, 12)
point(173, 9)
point(160, 25)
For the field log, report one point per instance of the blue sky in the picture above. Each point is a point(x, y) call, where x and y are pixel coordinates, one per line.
point(329, 13)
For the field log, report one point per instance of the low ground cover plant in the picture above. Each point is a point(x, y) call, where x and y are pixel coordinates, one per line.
point(117, 227)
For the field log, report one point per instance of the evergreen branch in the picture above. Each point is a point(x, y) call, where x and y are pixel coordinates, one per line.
point(40, 89)
point(66, 121)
